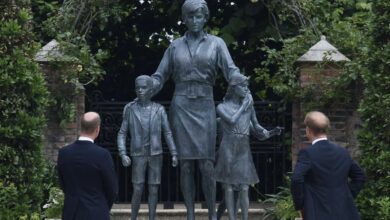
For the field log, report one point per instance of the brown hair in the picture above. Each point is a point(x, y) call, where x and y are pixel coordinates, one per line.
point(317, 122)
point(89, 122)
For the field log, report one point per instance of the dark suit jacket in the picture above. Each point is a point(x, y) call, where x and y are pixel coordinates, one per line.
point(87, 177)
point(320, 183)
point(131, 124)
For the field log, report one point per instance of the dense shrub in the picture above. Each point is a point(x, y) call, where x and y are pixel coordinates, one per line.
point(23, 99)
point(374, 201)
point(280, 205)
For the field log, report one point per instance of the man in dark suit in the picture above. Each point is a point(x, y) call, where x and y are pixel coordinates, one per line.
point(320, 186)
point(87, 175)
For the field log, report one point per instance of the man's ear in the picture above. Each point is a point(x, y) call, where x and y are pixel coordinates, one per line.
point(97, 131)
point(308, 133)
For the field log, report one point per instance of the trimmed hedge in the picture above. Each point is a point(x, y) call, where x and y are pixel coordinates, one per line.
point(23, 101)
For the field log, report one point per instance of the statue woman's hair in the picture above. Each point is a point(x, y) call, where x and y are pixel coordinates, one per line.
point(193, 5)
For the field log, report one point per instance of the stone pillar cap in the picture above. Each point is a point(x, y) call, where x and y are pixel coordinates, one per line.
point(51, 52)
point(322, 51)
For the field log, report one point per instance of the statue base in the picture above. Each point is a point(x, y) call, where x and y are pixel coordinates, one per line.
point(179, 212)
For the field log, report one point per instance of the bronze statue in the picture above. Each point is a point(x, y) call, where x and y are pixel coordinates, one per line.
point(144, 120)
point(193, 62)
point(235, 168)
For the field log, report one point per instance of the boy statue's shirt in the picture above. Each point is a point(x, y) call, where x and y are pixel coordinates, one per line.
point(145, 123)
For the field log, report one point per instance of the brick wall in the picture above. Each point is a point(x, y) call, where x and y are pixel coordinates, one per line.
point(55, 135)
point(344, 119)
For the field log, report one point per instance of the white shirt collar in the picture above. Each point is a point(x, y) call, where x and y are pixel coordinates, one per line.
point(83, 138)
point(319, 139)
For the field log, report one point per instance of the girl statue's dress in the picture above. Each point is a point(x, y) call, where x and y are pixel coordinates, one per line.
point(234, 160)
point(235, 168)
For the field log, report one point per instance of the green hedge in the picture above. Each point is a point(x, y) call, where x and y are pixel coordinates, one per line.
point(374, 200)
point(23, 100)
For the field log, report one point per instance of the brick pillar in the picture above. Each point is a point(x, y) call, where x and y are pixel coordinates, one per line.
point(298, 137)
point(343, 116)
point(344, 119)
point(57, 135)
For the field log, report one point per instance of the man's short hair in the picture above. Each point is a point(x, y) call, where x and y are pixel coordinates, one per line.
point(89, 124)
point(147, 78)
point(317, 122)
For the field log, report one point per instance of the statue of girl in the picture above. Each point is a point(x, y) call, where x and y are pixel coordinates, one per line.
point(235, 168)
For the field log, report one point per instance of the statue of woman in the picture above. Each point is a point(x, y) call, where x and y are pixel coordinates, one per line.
point(193, 62)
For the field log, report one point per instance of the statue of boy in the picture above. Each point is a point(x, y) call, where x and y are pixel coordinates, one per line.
point(144, 120)
point(235, 168)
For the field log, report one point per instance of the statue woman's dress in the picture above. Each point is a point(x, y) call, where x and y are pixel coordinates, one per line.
point(192, 110)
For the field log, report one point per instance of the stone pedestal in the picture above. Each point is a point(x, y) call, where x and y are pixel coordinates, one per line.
point(123, 212)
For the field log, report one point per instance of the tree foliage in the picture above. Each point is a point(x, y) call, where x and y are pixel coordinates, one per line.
point(135, 34)
point(23, 100)
point(344, 25)
point(264, 37)
point(374, 138)
point(69, 22)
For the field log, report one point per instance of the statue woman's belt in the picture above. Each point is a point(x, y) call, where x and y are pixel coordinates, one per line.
point(193, 89)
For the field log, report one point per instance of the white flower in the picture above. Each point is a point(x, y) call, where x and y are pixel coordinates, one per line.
point(46, 206)
point(79, 68)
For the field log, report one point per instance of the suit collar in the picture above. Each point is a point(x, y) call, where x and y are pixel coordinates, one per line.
point(83, 142)
point(319, 139)
point(83, 138)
